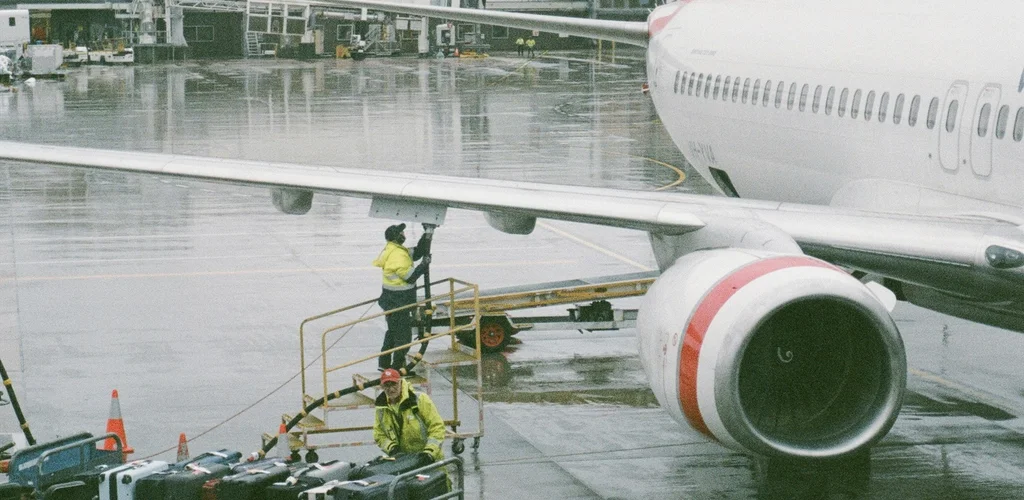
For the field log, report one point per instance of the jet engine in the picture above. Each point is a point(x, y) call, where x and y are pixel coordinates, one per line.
point(775, 355)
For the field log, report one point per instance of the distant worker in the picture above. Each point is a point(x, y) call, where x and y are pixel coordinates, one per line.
point(519, 45)
point(529, 46)
point(406, 421)
point(399, 289)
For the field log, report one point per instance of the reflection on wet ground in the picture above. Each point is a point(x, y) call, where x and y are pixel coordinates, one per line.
point(186, 296)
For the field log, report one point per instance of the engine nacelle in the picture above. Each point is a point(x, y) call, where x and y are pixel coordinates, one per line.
point(776, 355)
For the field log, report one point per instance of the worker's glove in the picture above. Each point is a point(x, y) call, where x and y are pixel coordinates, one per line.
point(393, 450)
point(422, 247)
point(426, 457)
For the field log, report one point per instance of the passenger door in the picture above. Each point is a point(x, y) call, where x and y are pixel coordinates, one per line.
point(949, 136)
point(983, 130)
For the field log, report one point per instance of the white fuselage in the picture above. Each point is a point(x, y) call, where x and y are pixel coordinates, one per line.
point(908, 106)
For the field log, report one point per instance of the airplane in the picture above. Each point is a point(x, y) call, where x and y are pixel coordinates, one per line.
point(865, 153)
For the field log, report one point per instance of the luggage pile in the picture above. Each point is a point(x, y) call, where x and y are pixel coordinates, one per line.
point(65, 470)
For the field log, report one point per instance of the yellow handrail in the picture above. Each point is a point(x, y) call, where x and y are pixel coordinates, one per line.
point(452, 332)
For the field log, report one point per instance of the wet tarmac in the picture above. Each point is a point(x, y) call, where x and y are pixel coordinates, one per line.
point(186, 297)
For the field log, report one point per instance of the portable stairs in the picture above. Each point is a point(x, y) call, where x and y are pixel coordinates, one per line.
point(341, 415)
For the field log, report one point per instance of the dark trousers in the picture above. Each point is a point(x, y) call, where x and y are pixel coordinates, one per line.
point(399, 326)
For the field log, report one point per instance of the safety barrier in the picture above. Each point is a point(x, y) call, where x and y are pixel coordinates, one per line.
point(458, 491)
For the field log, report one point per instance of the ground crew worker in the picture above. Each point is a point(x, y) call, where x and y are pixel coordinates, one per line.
point(399, 289)
point(406, 421)
point(519, 45)
point(529, 46)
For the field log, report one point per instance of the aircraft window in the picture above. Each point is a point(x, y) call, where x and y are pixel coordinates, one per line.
point(767, 91)
point(817, 99)
point(842, 103)
point(830, 100)
point(883, 107)
point(915, 106)
point(1004, 114)
point(803, 96)
point(986, 113)
point(897, 109)
point(700, 84)
point(954, 105)
point(933, 113)
point(675, 87)
point(869, 105)
point(746, 90)
point(735, 89)
point(792, 97)
point(707, 86)
point(778, 94)
point(718, 86)
point(757, 91)
point(1018, 126)
point(725, 88)
point(689, 87)
point(855, 105)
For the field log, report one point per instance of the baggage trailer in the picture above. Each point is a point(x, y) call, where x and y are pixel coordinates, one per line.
point(592, 310)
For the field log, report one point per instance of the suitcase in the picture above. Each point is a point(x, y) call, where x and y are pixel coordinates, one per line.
point(426, 486)
point(320, 492)
point(188, 484)
point(119, 483)
point(210, 490)
point(155, 487)
point(250, 484)
point(371, 488)
point(335, 470)
point(291, 488)
point(391, 465)
point(222, 456)
point(71, 490)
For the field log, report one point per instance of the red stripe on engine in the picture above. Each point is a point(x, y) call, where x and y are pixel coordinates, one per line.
point(706, 312)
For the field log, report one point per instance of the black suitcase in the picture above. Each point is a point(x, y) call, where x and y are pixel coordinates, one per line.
point(426, 486)
point(155, 487)
point(13, 491)
point(71, 490)
point(290, 488)
point(250, 484)
point(188, 484)
point(371, 488)
point(391, 465)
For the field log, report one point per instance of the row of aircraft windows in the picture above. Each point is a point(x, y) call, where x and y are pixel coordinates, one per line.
point(741, 90)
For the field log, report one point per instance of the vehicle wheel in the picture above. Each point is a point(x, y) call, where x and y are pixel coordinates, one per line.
point(312, 457)
point(476, 443)
point(493, 336)
point(458, 446)
point(103, 61)
point(295, 456)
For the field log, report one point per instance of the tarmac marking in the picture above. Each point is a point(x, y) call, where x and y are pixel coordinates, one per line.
point(977, 395)
point(594, 246)
point(282, 271)
point(679, 172)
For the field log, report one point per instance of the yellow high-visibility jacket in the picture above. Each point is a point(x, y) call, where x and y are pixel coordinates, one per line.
point(396, 263)
point(416, 427)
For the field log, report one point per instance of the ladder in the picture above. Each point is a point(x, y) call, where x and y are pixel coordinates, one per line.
point(311, 428)
point(252, 44)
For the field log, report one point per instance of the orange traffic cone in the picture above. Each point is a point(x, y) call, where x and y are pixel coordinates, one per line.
point(283, 449)
point(456, 52)
point(182, 448)
point(116, 425)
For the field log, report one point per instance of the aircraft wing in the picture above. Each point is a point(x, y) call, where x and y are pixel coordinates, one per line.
point(908, 247)
point(630, 32)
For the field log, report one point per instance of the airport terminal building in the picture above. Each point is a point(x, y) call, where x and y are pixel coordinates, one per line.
point(178, 29)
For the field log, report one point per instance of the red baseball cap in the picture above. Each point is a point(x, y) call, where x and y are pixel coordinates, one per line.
point(390, 375)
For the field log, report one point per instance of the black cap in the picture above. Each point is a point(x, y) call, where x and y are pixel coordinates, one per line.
point(392, 232)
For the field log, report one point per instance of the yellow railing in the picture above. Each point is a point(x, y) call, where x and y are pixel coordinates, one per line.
point(453, 331)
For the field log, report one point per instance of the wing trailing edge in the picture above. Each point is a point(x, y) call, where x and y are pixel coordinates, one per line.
point(630, 32)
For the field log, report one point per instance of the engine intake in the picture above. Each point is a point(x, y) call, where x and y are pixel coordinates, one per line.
point(773, 355)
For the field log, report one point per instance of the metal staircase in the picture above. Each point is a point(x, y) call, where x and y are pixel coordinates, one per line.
point(252, 44)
